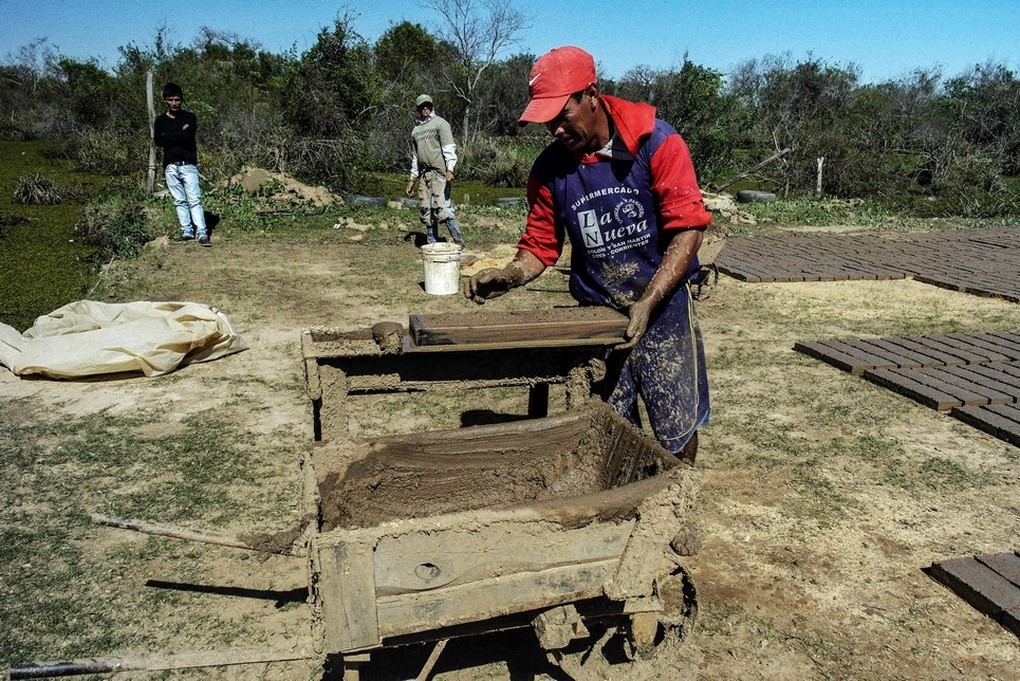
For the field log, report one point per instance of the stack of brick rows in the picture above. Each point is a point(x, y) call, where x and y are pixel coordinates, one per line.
point(982, 261)
point(974, 377)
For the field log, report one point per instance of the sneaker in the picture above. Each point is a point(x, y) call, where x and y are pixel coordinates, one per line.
point(204, 241)
point(182, 238)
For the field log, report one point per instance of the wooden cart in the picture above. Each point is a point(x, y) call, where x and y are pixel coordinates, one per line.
point(573, 525)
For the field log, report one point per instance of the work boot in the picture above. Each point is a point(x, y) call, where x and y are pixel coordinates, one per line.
point(690, 451)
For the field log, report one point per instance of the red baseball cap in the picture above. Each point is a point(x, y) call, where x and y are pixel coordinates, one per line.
point(556, 75)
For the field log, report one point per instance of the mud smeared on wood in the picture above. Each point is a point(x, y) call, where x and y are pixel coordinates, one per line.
point(486, 467)
point(277, 542)
point(389, 336)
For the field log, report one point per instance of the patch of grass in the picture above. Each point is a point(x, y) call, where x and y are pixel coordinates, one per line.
point(834, 661)
point(715, 619)
point(865, 213)
point(942, 473)
point(932, 474)
point(816, 212)
point(115, 226)
point(66, 622)
point(61, 590)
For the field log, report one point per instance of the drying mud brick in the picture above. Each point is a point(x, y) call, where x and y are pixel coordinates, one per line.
point(981, 261)
point(980, 583)
point(1006, 564)
point(999, 420)
point(974, 377)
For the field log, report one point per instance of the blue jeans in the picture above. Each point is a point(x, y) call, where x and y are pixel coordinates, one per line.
point(182, 181)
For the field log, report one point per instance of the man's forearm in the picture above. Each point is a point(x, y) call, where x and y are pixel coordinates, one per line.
point(523, 268)
point(675, 262)
point(496, 281)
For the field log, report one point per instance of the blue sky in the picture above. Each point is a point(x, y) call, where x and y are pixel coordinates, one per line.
point(887, 39)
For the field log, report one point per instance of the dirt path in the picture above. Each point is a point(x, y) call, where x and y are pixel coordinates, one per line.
point(823, 496)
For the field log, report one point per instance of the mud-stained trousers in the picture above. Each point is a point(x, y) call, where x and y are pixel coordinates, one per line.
point(434, 206)
point(667, 370)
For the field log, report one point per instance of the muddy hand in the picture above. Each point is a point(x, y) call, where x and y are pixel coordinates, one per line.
point(487, 284)
point(639, 313)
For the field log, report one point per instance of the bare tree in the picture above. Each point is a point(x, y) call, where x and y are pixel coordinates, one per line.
point(479, 30)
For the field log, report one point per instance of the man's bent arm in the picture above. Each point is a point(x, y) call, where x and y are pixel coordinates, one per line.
point(495, 281)
point(671, 271)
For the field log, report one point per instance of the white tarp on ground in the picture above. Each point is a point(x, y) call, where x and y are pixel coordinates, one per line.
point(88, 338)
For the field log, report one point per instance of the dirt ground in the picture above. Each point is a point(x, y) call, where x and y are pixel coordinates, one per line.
point(823, 497)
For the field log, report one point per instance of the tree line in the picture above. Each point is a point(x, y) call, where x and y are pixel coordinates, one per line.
point(341, 110)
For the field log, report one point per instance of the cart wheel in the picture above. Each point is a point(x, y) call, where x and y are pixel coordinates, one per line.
point(650, 632)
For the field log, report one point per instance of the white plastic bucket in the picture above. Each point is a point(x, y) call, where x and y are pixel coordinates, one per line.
point(442, 268)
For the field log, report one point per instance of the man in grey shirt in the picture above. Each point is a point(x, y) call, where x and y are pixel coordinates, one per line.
point(433, 158)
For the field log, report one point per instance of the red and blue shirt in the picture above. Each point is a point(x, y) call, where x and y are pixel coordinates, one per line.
point(616, 206)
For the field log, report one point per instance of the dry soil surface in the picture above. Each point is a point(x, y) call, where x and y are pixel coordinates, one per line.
point(823, 497)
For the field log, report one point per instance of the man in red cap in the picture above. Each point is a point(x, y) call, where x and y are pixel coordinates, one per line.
point(619, 183)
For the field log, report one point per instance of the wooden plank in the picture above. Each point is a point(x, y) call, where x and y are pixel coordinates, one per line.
point(594, 341)
point(479, 601)
point(313, 387)
point(1006, 564)
point(439, 558)
point(516, 327)
point(904, 384)
point(346, 590)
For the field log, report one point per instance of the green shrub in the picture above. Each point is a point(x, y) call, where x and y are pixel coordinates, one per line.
point(11, 132)
point(237, 207)
point(972, 186)
point(115, 226)
point(105, 152)
point(37, 190)
point(496, 164)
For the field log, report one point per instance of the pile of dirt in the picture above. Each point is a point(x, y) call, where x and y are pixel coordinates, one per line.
point(415, 477)
point(281, 188)
point(724, 211)
point(421, 475)
point(724, 206)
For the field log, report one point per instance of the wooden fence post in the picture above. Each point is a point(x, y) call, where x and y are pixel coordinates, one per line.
point(152, 142)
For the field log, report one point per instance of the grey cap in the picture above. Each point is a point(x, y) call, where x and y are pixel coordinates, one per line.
point(422, 99)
